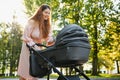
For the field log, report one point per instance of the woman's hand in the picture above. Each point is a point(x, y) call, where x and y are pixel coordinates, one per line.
point(50, 43)
point(31, 43)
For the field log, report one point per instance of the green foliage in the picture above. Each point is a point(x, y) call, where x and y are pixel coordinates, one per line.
point(10, 45)
point(93, 16)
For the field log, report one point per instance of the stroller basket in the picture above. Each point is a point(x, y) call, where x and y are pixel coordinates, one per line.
point(66, 56)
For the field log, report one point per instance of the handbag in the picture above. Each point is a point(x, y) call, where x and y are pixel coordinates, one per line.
point(36, 69)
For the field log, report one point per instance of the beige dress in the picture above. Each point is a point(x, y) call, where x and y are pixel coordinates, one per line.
point(30, 36)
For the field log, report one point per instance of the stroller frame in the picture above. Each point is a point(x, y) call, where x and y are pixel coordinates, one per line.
point(51, 66)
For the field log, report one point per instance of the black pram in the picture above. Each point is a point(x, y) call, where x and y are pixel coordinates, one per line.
point(71, 49)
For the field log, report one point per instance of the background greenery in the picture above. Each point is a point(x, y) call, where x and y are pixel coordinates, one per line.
point(99, 18)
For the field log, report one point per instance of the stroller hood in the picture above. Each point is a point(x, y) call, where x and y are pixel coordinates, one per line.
point(72, 35)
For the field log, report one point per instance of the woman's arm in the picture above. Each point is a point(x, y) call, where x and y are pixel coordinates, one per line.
point(27, 34)
point(50, 40)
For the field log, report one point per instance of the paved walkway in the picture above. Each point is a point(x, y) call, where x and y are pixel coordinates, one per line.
point(56, 79)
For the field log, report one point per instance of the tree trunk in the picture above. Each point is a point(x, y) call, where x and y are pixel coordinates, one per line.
point(117, 63)
point(95, 63)
point(11, 62)
point(95, 51)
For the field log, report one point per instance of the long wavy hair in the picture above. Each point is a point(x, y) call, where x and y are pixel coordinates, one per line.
point(44, 25)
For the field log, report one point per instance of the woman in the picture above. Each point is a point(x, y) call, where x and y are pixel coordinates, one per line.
point(37, 30)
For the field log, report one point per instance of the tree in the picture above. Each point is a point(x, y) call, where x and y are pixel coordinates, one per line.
point(92, 16)
point(111, 42)
point(10, 46)
point(111, 38)
point(14, 44)
point(95, 20)
point(3, 46)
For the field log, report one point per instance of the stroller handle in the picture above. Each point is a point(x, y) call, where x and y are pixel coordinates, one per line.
point(38, 44)
point(42, 45)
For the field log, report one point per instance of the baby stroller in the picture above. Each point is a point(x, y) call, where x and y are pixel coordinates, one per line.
point(71, 49)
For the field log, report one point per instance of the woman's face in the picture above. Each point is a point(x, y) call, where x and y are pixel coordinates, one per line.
point(46, 14)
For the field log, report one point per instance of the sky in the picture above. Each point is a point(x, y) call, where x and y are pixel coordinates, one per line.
point(8, 8)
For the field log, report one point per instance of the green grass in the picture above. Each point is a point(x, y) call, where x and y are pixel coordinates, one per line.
point(99, 76)
point(105, 76)
point(110, 75)
point(8, 76)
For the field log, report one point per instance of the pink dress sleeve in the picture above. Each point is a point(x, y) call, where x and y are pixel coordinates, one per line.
point(27, 34)
point(50, 39)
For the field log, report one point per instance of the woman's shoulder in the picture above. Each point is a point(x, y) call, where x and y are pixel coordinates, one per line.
point(31, 22)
